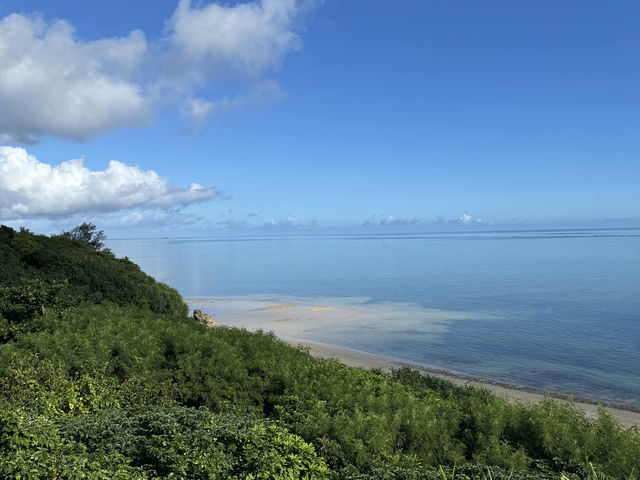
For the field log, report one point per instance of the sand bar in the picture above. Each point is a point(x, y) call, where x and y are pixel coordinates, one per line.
point(295, 321)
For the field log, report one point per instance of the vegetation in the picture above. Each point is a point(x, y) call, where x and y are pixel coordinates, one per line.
point(88, 234)
point(102, 375)
point(68, 269)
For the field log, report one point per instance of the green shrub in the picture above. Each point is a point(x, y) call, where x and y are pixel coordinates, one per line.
point(36, 266)
point(162, 442)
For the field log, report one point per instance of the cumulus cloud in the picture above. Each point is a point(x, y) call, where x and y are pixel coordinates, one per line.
point(53, 83)
point(248, 38)
point(30, 188)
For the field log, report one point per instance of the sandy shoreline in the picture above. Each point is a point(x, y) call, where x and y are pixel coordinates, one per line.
point(354, 358)
point(290, 322)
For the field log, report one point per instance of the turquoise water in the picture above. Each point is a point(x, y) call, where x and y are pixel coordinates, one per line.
point(557, 310)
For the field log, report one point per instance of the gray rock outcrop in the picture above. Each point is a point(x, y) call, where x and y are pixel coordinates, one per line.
point(204, 318)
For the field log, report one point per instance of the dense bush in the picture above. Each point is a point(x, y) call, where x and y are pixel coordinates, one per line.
point(39, 272)
point(93, 379)
point(162, 442)
point(95, 358)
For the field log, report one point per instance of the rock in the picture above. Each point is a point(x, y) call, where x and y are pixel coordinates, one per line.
point(204, 318)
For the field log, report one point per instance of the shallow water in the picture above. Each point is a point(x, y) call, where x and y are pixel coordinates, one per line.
point(557, 310)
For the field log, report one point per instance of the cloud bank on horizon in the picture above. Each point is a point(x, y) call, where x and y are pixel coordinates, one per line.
point(393, 221)
point(54, 84)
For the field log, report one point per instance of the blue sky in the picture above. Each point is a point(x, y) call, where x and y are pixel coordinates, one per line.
point(319, 116)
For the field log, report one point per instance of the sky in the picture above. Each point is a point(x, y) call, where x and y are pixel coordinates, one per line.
point(173, 118)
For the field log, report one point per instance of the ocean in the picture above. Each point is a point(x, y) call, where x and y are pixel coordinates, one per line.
point(557, 310)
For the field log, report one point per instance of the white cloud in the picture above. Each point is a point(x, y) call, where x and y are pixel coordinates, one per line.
point(247, 38)
point(148, 219)
point(199, 109)
point(399, 221)
point(290, 221)
point(53, 83)
point(466, 219)
point(30, 188)
point(390, 220)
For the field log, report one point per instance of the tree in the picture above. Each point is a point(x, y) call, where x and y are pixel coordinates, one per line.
point(88, 234)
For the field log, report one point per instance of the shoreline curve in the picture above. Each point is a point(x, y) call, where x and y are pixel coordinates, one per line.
point(358, 359)
point(246, 318)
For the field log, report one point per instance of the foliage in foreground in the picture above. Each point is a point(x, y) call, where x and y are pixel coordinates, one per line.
point(93, 360)
point(111, 388)
point(161, 442)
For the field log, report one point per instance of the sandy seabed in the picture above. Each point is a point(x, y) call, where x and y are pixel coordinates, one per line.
point(296, 320)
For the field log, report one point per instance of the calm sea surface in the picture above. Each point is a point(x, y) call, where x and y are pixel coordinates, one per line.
point(557, 310)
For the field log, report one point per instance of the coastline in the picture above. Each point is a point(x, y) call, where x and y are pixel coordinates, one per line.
point(354, 358)
point(269, 315)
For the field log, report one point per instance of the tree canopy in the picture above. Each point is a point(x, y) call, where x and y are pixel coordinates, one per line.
point(88, 234)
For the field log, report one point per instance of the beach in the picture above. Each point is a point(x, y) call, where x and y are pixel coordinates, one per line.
point(354, 358)
point(291, 322)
